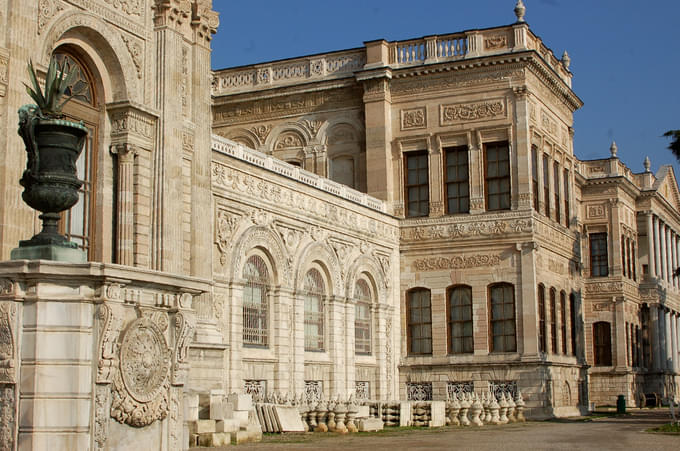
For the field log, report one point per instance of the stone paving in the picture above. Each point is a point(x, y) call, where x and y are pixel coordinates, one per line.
point(624, 432)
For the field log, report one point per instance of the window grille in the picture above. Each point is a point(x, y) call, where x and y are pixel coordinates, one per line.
point(362, 318)
point(313, 293)
point(419, 391)
point(255, 304)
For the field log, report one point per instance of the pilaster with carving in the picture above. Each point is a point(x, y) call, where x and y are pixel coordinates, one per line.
point(8, 406)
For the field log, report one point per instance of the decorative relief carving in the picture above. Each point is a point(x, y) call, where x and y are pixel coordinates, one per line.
point(449, 81)
point(495, 42)
point(291, 238)
point(184, 82)
point(472, 111)
point(96, 8)
point(7, 416)
point(556, 267)
point(8, 312)
point(604, 287)
point(388, 352)
point(4, 71)
point(47, 10)
point(480, 228)
point(111, 323)
point(136, 52)
point(185, 324)
point(187, 141)
point(101, 416)
point(313, 125)
point(548, 124)
point(413, 118)
point(174, 424)
point(596, 211)
point(131, 7)
point(140, 387)
point(6, 287)
point(134, 123)
point(261, 131)
point(603, 307)
point(227, 223)
point(457, 262)
point(288, 140)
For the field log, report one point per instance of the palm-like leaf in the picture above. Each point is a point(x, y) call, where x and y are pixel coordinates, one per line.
point(674, 145)
point(56, 83)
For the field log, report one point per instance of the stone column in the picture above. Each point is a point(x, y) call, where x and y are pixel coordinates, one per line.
point(125, 228)
point(527, 309)
point(349, 346)
point(650, 246)
point(663, 356)
point(435, 163)
point(654, 337)
point(335, 309)
point(282, 330)
point(669, 274)
point(657, 250)
point(620, 334)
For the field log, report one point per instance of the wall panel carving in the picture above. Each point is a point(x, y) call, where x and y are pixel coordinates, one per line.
point(460, 112)
point(8, 311)
point(413, 118)
point(457, 262)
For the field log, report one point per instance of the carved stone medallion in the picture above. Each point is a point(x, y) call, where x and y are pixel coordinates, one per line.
point(140, 391)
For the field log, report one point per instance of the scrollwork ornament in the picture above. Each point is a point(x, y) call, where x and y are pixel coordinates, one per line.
point(8, 312)
point(140, 387)
point(111, 322)
point(184, 330)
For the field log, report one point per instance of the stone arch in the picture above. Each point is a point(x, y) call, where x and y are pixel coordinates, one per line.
point(103, 46)
point(324, 257)
point(345, 154)
point(245, 137)
point(287, 127)
point(369, 266)
point(269, 243)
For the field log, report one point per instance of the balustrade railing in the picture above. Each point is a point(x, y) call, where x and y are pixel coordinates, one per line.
point(429, 49)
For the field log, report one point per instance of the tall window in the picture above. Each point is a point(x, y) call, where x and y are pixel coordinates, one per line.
point(457, 185)
point(255, 305)
point(623, 256)
point(556, 185)
point(602, 344)
point(574, 319)
point(553, 320)
point(313, 293)
point(497, 176)
point(546, 184)
point(633, 260)
point(362, 318)
point(563, 320)
point(534, 175)
point(502, 303)
point(419, 321)
point(417, 185)
point(566, 197)
point(542, 332)
point(460, 320)
point(77, 223)
point(599, 258)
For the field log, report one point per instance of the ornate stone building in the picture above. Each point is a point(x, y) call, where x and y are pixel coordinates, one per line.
point(405, 220)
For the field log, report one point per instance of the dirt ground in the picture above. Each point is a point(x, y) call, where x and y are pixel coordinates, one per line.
point(615, 432)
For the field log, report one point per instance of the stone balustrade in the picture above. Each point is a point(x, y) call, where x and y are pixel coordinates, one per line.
point(236, 150)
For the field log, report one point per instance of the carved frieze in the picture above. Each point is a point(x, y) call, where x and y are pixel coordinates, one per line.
point(603, 306)
point(413, 118)
point(464, 230)
point(596, 211)
point(140, 386)
point(414, 85)
point(130, 122)
point(495, 42)
point(477, 111)
point(226, 224)
point(8, 312)
point(313, 125)
point(131, 7)
point(457, 262)
point(117, 16)
point(47, 10)
point(604, 287)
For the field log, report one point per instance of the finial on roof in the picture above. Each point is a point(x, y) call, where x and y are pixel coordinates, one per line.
point(647, 164)
point(520, 10)
point(613, 149)
point(566, 61)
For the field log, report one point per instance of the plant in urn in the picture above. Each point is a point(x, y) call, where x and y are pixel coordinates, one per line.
point(50, 182)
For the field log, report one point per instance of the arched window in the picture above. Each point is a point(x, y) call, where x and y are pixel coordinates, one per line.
point(602, 344)
point(574, 319)
point(362, 318)
point(553, 320)
point(460, 320)
point(313, 293)
point(77, 222)
point(419, 321)
point(502, 307)
point(255, 305)
point(542, 345)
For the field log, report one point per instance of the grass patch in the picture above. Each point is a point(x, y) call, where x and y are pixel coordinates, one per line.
point(668, 428)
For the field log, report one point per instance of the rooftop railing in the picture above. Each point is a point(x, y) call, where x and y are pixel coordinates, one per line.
point(233, 149)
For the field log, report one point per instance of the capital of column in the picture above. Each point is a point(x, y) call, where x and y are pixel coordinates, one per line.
point(126, 152)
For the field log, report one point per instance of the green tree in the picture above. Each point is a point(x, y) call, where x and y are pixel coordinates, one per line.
point(674, 146)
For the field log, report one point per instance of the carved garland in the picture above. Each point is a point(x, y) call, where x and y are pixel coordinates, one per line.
point(472, 111)
point(140, 387)
point(457, 262)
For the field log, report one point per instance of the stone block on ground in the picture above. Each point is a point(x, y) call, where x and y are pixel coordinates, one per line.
point(216, 404)
point(214, 439)
point(363, 412)
point(240, 402)
point(405, 410)
point(370, 424)
point(190, 407)
point(202, 427)
point(288, 419)
point(245, 437)
point(228, 425)
point(438, 414)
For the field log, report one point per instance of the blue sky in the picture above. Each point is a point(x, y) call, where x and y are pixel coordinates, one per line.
point(625, 54)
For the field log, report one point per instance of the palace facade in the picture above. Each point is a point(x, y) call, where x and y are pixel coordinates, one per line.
point(405, 220)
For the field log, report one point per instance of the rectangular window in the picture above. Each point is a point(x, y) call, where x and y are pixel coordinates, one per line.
point(623, 255)
point(419, 322)
point(602, 344)
point(457, 180)
point(546, 185)
point(574, 318)
point(599, 258)
point(502, 306)
point(460, 320)
point(556, 185)
point(534, 175)
point(362, 328)
point(497, 176)
point(417, 185)
point(541, 319)
point(566, 198)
